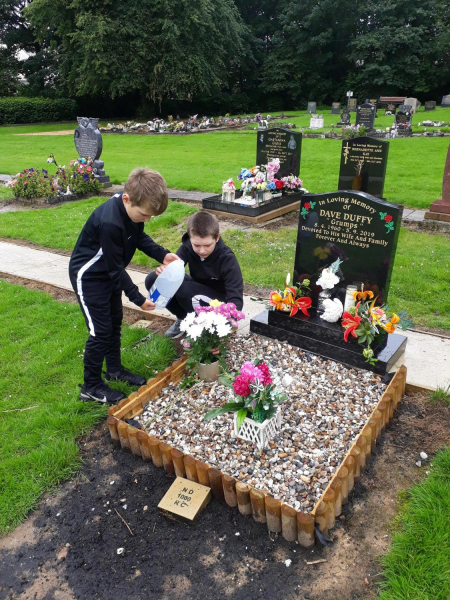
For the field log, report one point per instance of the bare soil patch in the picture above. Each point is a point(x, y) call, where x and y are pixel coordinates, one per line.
point(68, 547)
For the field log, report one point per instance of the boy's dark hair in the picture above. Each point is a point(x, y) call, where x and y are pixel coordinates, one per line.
point(203, 224)
point(147, 188)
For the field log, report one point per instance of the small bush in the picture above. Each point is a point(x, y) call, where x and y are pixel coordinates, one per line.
point(36, 110)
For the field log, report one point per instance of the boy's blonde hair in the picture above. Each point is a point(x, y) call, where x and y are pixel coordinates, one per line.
point(147, 188)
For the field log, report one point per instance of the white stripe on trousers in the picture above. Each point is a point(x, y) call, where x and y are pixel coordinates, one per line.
point(80, 289)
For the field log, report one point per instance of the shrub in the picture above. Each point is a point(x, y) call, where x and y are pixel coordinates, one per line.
point(36, 110)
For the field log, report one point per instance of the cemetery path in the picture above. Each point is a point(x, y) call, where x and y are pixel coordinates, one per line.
point(427, 356)
point(67, 549)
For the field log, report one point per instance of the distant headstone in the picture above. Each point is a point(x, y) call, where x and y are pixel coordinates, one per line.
point(405, 108)
point(284, 144)
point(185, 499)
point(413, 103)
point(442, 206)
point(89, 144)
point(373, 155)
point(445, 101)
point(312, 107)
point(355, 227)
point(345, 118)
point(373, 101)
point(365, 115)
point(335, 108)
point(430, 105)
point(352, 104)
point(392, 108)
point(403, 118)
point(316, 122)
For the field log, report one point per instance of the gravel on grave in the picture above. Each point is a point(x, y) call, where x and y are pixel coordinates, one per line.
point(326, 407)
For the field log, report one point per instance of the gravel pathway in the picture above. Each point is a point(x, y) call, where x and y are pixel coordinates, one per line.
point(326, 407)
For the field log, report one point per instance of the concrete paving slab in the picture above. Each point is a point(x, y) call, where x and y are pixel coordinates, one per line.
point(427, 357)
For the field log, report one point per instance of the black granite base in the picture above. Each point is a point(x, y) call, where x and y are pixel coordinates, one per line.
point(104, 180)
point(327, 340)
point(215, 203)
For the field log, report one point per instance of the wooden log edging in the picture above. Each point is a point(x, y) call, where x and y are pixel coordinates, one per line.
point(294, 525)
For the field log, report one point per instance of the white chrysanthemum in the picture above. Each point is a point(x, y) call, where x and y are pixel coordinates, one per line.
point(223, 330)
point(187, 321)
point(195, 331)
point(327, 280)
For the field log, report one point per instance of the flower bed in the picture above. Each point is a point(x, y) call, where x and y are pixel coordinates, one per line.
point(330, 421)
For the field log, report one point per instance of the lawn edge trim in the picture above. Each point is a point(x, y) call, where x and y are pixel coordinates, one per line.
point(281, 518)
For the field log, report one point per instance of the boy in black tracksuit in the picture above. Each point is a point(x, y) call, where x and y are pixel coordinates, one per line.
point(97, 272)
point(214, 271)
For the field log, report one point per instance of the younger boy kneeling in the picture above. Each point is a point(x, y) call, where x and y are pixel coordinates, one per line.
point(214, 271)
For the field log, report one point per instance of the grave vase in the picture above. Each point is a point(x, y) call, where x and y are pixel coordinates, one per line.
point(208, 372)
point(357, 183)
point(324, 295)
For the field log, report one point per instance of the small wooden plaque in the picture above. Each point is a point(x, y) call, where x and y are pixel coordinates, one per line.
point(185, 499)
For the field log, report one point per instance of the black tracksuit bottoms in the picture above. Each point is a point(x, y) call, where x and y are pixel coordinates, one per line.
point(181, 303)
point(103, 313)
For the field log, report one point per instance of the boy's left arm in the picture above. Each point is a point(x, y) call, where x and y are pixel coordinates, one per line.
point(233, 282)
point(154, 250)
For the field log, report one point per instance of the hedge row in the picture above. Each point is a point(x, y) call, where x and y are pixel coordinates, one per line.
point(36, 110)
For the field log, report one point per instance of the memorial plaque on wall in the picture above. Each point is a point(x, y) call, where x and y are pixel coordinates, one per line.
point(87, 138)
point(312, 107)
point(430, 105)
point(284, 144)
point(445, 101)
point(373, 155)
point(357, 228)
point(335, 108)
point(365, 115)
point(352, 104)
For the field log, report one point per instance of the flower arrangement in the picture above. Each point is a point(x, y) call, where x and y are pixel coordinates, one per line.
point(207, 329)
point(366, 320)
point(352, 131)
point(292, 299)
point(79, 175)
point(256, 395)
point(263, 178)
point(34, 183)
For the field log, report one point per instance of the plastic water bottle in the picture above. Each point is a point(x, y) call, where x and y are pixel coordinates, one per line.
point(167, 284)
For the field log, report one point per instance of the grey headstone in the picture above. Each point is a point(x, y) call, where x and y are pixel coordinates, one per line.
point(312, 107)
point(335, 108)
point(430, 105)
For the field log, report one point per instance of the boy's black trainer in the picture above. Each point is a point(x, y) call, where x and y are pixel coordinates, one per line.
point(126, 377)
point(100, 393)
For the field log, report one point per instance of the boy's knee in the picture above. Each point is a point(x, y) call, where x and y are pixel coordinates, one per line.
point(150, 279)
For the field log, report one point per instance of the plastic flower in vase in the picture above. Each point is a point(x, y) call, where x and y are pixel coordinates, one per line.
point(367, 320)
point(292, 299)
point(255, 394)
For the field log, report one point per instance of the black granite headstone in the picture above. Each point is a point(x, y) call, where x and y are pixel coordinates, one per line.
point(89, 144)
point(362, 231)
point(373, 154)
point(365, 115)
point(403, 118)
point(356, 227)
point(445, 103)
point(430, 105)
point(284, 144)
point(335, 108)
point(346, 117)
point(352, 104)
point(312, 107)
point(392, 108)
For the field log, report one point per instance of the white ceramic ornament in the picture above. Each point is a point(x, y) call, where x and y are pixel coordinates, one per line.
point(333, 310)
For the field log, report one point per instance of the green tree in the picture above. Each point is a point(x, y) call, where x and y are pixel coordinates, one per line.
point(161, 48)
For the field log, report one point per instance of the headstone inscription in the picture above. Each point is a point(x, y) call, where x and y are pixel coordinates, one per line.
point(430, 105)
point(284, 144)
point(391, 108)
point(312, 107)
point(445, 103)
point(369, 157)
point(362, 231)
point(365, 115)
point(89, 144)
point(335, 108)
point(352, 104)
point(185, 499)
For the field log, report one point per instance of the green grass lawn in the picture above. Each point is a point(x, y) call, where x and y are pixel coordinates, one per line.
point(420, 281)
point(418, 564)
point(42, 343)
point(202, 162)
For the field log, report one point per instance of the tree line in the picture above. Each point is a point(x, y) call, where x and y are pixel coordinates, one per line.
point(213, 56)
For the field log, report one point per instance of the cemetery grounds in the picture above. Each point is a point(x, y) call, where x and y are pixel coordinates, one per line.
point(224, 562)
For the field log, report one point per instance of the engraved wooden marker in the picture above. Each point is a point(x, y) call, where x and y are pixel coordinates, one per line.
point(185, 499)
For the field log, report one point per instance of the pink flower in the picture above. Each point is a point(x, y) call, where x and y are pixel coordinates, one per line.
point(241, 386)
point(264, 369)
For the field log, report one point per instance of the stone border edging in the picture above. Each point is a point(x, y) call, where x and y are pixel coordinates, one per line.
point(280, 517)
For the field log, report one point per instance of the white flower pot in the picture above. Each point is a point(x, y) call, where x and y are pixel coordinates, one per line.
point(260, 433)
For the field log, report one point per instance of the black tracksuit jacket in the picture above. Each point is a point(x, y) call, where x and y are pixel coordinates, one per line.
point(106, 246)
point(219, 271)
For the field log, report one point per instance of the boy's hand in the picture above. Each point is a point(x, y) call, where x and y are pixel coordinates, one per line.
point(170, 258)
point(148, 305)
